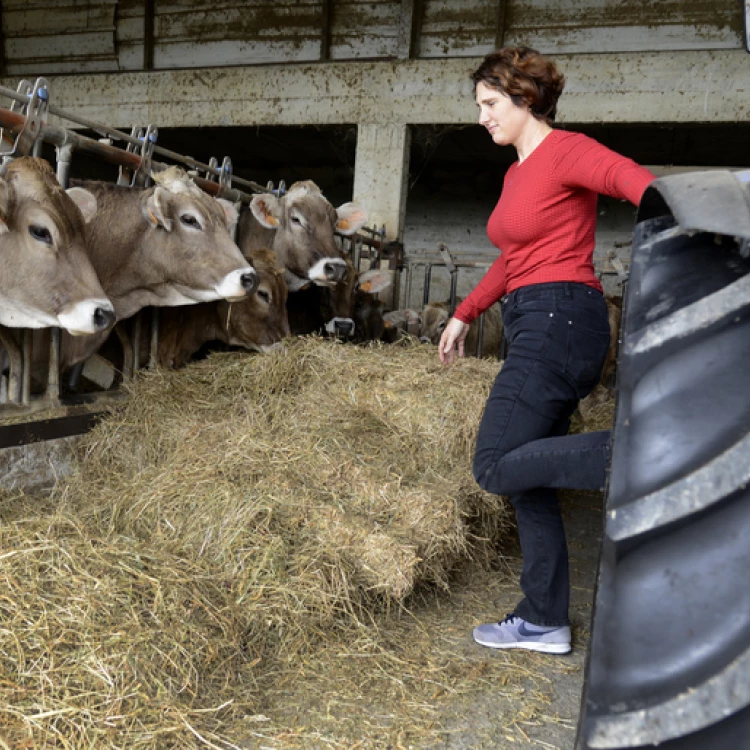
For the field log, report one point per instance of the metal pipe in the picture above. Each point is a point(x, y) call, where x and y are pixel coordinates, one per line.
point(127, 352)
point(137, 334)
point(57, 136)
point(427, 279)
point(53, 372)
point(16, 365)
point(480, 335)
point(153, 360)
point(64, 162)
point(27, 348)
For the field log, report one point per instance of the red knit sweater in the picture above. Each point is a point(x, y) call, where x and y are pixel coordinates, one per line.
point(545, 220)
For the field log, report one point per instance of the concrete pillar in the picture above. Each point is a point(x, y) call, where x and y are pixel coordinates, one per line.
point(381, 172)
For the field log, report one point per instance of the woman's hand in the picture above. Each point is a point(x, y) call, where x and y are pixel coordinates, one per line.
point(455, 334)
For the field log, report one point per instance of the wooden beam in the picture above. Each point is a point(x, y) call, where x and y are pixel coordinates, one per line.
point(325, 30)
point(2, 42)
point(409, 29)
point(502, 20)
point(149, 14)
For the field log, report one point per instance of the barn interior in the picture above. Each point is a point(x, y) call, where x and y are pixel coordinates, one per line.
point(369, 99)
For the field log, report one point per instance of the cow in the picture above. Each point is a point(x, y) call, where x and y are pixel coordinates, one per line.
point(350, 310)
point(170, 244)
point(435, 316)
point(405, 321)
point(46, 278)
point(299, 227)
point(257, 323)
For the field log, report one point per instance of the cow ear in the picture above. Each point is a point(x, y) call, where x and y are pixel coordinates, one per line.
point(266, 208)
point(375, 280)
point(231, 214)
point(85, 200)
point(154, 208)
point(351, 217)
point(4, 205)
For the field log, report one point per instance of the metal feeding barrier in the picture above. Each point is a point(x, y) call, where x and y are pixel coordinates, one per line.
point(24, 128)
point(441, 257)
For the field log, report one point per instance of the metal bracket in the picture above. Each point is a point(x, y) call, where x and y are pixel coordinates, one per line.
point(35, 110)
point(225, 176)
point(142, 176)
point(213, 164)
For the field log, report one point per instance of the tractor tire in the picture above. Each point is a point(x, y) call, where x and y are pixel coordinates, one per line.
point(669, 656)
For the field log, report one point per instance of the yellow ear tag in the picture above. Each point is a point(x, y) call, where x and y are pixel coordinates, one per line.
point(366, 286)
point(343, 225)
point(272, 220)
point(153, 218)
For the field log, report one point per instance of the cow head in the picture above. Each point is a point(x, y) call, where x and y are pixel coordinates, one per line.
point(434, 319)
point(46, 278)
point(303, 224)
point(259, 322)
point(398, 322)
point(358, 313)
point(190, 235)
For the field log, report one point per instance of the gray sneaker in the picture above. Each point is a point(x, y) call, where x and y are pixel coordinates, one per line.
point(513, 632)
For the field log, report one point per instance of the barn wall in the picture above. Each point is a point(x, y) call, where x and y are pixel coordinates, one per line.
point(63, 36)
point(382, 66)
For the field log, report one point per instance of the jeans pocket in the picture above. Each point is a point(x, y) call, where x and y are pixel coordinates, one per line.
point(529, 333)
point(587, 351)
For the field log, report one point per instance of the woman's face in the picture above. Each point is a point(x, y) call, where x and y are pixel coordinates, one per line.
point(504, 120)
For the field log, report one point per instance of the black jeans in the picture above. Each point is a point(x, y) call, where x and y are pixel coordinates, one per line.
point(557, 335)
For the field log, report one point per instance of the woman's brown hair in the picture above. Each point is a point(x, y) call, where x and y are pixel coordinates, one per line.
point(526, 76)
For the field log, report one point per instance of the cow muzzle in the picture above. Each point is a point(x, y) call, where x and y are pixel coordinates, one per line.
point(328, 271)
point(238, 284)
point(342, 328)
point(87, 316)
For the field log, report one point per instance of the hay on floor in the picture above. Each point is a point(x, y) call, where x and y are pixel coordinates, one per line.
point(224, 520)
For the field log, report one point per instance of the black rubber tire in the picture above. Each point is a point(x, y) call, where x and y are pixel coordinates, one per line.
point(669, 657)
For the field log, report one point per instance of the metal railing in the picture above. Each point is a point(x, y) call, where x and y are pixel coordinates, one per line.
point(25, 128)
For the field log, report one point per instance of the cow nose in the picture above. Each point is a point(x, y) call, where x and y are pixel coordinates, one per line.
point(425, 340)
point(103, 318)
point(335, 271)
point(249, 281)
point(344, 328)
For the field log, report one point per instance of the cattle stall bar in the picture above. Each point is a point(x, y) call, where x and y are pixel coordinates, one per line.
point(24, 129)
point(25, 124)
point(427, 260)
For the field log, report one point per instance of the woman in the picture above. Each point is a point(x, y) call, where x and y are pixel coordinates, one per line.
point(555, 321)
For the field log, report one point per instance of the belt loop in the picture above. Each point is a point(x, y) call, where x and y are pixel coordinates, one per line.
point(568, 290)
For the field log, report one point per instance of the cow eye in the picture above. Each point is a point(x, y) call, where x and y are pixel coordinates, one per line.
point(40, 234)
point(296, 220)
point(264, 295)
point(190, 221)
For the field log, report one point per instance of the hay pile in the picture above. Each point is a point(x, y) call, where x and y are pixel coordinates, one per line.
point(224, 521)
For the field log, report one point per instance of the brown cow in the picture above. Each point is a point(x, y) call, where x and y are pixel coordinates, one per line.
point(435, 317)
point(258, 322)
point(166, 245)
point(46, 278)
point(299, 227)
point(405, 321)
point(349, 310)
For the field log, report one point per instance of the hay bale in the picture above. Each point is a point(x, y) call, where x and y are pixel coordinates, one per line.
point(224, 519)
